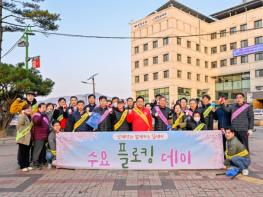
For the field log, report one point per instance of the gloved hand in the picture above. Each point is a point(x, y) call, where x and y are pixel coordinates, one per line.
point(250, 132)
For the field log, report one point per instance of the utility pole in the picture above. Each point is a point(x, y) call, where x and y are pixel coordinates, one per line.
point(93, 82)
point(1, 29)
point(28, 32)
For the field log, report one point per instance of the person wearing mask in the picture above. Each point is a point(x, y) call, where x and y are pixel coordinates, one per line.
point(23, 137)
point(195, 123)
point(114, 102)
point(140, 116)
point(242, 118)
point(179, 118)
point(77, 121)
point(120, 115)
point(40, 133)
point(161, 115)
point(60, 113)
point(207, 110)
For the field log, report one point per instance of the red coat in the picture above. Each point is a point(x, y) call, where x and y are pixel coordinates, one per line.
point(138, 124)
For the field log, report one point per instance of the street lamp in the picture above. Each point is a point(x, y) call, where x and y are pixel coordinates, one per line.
point(24, 42)
point(92, 77)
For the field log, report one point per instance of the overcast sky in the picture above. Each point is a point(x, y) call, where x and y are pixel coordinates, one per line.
point(67, 61)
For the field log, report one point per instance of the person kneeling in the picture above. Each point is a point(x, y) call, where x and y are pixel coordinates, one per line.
point(51, 149)
point(237, 156)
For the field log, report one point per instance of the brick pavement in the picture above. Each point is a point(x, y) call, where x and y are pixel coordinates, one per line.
point(60, 182)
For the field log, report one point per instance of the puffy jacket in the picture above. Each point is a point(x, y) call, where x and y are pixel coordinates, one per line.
point(209, 120)
point(57, 113)
point(23, 123)
point(75, 117)
point(159, 124)
point(191, 125)
point(41, 126)
point(18, 104)
point(244, 121)
point(107, 124)
point(138, 124)
point(116, 117)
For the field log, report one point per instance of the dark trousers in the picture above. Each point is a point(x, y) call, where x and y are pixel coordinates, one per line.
point(242, 136)
point(23, 155)
point(38, 146)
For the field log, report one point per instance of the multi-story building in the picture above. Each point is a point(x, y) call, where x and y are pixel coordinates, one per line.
point(179, 52)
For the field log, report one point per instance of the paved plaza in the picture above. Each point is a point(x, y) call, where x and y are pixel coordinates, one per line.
point(59, 182)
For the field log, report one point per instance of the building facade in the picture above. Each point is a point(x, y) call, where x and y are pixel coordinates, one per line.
point(179, 52)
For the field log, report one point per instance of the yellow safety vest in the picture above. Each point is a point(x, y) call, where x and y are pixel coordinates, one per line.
point(24, 132)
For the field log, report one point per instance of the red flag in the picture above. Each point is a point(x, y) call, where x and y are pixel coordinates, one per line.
point(36, 62)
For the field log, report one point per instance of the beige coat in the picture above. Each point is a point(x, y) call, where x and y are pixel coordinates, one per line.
point(23, 122)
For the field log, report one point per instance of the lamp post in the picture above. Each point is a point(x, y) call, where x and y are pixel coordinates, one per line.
point(93, 82)
point(28, 32)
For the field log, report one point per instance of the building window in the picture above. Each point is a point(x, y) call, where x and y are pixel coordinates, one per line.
point(198, 47)
point(233, 45)
point(214, 64)
point(165, 41)
point(244, 59)
point(213, 50)
point(259, 40)
point(164, 92)
point(165, 57)
point(243, 43)
point(155, 44)
point(184, 92)
point(145, 47)
point(223, 48)
point(223, 33)
point(259, 56)
point(136, 50)
point(213, 36)
point(206, 64)
point(233, 61)
point(136, 64)
point(206, 50)
point(206, 79)
point(166, 74)
point(198, 77)
point(243, 27)
point(179, 74)
point(137, 79)
point(189, 75)
point(233, 30)
point(189, 60)
point(146, 77)
point(144, 94)
point(259, 73)
point(146, 62)
point(223, 63)
point(155, 60)
point(179, 57)
point(179, 41)
point(155, 76)
point(197, 62)
point(188, 44)
point(258, 24)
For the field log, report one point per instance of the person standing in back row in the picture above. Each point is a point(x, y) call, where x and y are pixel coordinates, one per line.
point(242, 118)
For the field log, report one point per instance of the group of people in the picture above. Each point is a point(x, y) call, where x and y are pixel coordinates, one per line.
point(38, 124)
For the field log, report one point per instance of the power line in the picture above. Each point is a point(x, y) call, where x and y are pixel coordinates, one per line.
point(129, 37)
point(13, 47)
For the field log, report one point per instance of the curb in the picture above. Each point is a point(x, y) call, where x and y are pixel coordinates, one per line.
point(7, 140)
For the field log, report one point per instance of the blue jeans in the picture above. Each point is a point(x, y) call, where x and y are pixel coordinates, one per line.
point(240, 162)
point(49, 157)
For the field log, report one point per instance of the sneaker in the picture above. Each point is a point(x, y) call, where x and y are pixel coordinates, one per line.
point(245, 172)
point(30, 168)
point(25, 170)
point(49, 166)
